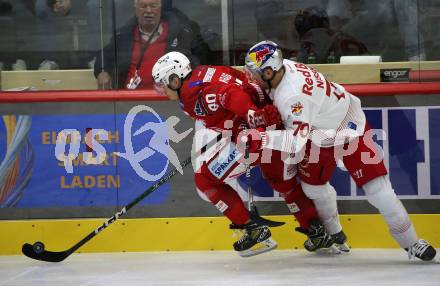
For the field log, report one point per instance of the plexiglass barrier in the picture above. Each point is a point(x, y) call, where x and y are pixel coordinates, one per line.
point(99, 44)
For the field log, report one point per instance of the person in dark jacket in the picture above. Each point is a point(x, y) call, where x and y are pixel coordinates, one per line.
point(129, 57)
point(319, 42)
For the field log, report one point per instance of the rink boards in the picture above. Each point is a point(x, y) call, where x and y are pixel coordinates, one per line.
point(190, 234)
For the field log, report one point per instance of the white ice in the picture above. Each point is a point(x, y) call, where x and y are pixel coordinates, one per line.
point(360, 268)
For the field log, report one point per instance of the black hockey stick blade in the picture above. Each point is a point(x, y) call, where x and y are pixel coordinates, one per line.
point(48, 256)
point(255, 216)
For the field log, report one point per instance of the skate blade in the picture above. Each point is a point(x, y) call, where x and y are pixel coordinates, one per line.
point(259, 248)
point(435, 260)
point(343, 247)
point(329, 250)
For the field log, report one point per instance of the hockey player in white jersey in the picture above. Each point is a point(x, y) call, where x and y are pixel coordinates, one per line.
point(327, 124)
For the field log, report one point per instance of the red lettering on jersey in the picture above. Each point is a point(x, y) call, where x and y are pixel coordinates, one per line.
point(305, 73)
point(339, 95)
point(301, 66)
point(319, 81)
point(300, 128)
point(308, 86)
point(327, 88)
point(307, 89)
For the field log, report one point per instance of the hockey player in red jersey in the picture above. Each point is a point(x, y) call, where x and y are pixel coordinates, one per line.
point(328, 123)
point(223, 99)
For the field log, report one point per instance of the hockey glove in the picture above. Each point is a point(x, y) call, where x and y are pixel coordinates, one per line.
point(256, 138)
point(265, 117)
point(257, 94)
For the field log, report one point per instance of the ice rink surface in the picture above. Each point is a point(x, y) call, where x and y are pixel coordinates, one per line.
point(360, 268)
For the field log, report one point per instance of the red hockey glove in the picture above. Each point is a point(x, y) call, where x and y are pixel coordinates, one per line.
point(264, 117)
point(257, 139)
point(257, 94)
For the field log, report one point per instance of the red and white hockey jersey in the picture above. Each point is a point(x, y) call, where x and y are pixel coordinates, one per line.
point(216, 94)
point(220, 97)
point(315, 108)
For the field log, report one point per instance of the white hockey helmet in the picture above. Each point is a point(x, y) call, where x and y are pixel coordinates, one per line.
point(169, 64)
point(263, 55)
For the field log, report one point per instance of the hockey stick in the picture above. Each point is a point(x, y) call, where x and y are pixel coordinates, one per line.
point(255, 216)
point(37, 251)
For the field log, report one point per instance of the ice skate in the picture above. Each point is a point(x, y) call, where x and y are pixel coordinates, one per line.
point(255, 240)
point(318, 239)
point(422, 250)
point(341, 241)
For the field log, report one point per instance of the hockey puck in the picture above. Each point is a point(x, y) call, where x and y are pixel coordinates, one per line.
point(38, 247)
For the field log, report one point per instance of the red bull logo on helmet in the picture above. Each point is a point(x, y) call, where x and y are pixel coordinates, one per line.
point(261, 54)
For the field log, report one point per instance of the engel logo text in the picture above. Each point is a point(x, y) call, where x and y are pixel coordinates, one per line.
point(395, 73)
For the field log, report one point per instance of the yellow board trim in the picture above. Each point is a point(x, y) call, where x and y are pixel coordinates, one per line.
point(195, 234)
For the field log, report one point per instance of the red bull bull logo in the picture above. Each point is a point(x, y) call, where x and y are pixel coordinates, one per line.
point(297, 108)
point(260, 55)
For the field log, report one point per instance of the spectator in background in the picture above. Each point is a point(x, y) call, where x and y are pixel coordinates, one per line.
point(270, 15)
point(60, 7)
point(319, 43)
point(45, 8)
point(127, 61)
point(53, 34)
point(397, 21)
point(271, 18)
point(339, 12)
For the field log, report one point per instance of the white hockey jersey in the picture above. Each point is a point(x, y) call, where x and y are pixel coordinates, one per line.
point(314, 108)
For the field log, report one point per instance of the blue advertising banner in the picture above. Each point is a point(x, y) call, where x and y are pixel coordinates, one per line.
point(32, 176)
point(130, 153)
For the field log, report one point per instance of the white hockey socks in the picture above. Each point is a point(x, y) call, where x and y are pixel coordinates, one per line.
point(381, 195)
point(324, 198)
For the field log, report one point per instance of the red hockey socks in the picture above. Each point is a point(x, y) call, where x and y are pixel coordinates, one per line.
point(300, 206)
point(223, 197)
